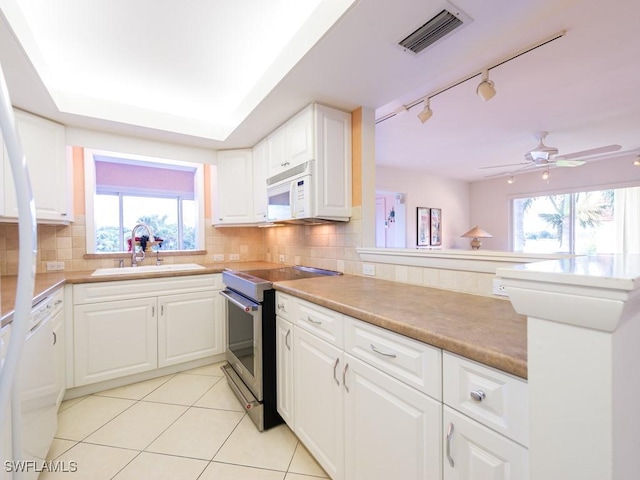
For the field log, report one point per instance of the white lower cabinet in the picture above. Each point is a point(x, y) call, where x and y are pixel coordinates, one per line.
point(57, 323)
point(391, 430)
point(114, 339)
point(475, 452)
point(357, 421)
point(284, 374)
point(319, 397)
point(186, 330)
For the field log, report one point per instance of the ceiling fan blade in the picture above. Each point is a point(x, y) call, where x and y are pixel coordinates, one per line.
point(563, 162)
point(507, 165)
point(589, 153)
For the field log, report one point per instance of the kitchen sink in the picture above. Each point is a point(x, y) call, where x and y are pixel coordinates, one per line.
point(178, 267)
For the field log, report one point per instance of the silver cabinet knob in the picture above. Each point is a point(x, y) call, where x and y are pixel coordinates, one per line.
point(477, 395)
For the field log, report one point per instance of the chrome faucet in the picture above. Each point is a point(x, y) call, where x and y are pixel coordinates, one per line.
point(135, 259)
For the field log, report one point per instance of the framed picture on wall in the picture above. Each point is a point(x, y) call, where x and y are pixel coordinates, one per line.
point(424, 226)
point(436, 227)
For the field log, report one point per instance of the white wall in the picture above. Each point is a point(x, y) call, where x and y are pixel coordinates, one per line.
point(489, 199)
point(425, 190)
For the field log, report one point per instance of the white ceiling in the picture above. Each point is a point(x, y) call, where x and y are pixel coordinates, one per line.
point(582, 88)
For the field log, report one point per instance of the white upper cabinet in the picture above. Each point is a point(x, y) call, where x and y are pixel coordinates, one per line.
point(260, 159)
point(234, 188)
point(293, 143)
point(50, 170)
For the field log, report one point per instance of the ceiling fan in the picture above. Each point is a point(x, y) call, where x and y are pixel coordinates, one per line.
point(546, 156)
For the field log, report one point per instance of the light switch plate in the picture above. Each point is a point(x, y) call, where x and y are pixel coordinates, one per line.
point(281, 258)
point(234, 256)
point(218, 257)
point(55, 266)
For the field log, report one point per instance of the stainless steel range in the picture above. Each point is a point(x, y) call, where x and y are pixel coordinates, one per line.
point(251, 337)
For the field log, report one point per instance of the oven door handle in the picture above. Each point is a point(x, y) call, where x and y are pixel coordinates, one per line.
point(240, 301)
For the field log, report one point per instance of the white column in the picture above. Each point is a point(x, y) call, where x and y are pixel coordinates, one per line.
point(584, 365)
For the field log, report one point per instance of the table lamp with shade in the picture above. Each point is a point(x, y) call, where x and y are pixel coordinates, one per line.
point(475, 234)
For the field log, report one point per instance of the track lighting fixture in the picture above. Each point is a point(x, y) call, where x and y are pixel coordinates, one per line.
point(511, 180)
point(545, 174)
point(426, 112)
point(486, 89)
point(636, 162)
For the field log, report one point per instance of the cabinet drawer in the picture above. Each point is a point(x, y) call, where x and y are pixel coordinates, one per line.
point(285, 306)
point(321, 321)
point(414, 363)
point(494, 398)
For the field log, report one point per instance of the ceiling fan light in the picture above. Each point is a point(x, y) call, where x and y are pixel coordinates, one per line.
point(486, 89)
point(426, 112)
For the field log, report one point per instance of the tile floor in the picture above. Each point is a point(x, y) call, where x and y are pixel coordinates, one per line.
point(186, 426)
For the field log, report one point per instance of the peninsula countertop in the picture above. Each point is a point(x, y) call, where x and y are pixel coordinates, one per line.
point(480, 328)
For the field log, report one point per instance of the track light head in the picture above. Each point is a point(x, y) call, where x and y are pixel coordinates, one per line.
point(511, 180)
point(636, 162)
point(426, 112)
point(486, 89)
point(545, 175)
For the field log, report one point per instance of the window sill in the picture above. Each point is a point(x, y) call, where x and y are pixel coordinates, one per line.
point(163, 253)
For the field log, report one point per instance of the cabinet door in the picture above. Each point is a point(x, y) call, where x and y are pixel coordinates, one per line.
point(60, 353)
point(333, 138)
point(300, 140)
point(114, 339)
point(277, 152)
point(475, 452)
point(391, 429)
point(189, 327)
point(43, 143)
point(260, 201)
point(319, 409)
point(284, 372)
point(234, 187)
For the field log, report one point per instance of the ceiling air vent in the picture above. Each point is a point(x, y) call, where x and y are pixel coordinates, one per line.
point(434, 30)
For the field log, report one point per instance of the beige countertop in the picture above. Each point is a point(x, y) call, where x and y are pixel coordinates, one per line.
point(480, 328)
point(47, 282)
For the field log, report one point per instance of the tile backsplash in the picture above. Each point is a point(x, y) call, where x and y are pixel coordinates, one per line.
point(331, 246)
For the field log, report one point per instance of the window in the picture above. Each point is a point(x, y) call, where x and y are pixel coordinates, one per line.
point(123, 190)
point(584, 223)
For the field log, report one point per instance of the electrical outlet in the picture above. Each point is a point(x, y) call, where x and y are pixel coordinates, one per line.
point(218, 257)
point(368, 269)
point(281, 258)
point(234, 256)
point(499, 288)
point(55, 266)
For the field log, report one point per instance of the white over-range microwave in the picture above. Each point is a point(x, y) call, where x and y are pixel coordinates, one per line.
point(290, 200)
point(306, 194)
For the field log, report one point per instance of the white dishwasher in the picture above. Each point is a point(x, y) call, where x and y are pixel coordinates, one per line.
point(38, 390)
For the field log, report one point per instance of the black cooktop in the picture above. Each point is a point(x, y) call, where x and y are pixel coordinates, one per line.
point(253, 283)
point(288, 273)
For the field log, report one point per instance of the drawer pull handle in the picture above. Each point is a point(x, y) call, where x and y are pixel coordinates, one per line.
point(449, 435)
point(281, 306)
point(380, 352)
point(477, 395)
point(344, 377)
point(335, 365)
point(317, 322)
point(286, 339)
